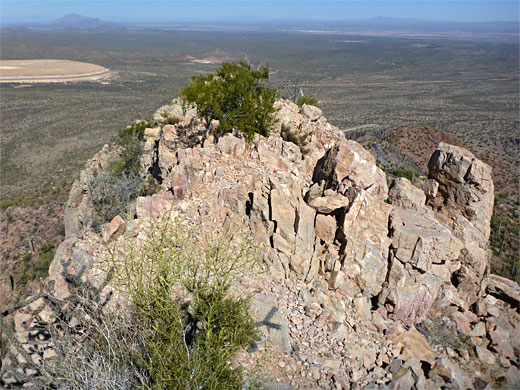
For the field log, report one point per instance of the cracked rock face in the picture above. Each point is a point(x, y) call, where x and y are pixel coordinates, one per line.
point(358, 260)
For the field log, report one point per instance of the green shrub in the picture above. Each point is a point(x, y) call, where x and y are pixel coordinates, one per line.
point(170, 119)
point(187, 347)
point(3, 347)
point(308, 99)
point(403, 172)
point(128, 163)
point(32, 268)
point(236, 96)
point(150, 186)
point(438, 332)
point(295, 137)
point(41, 265)
point(27, 258)
point(25, 276)
point(131, 144)
point(5, 204)
point(136, 129)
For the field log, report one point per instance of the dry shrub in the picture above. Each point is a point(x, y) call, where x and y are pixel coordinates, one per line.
point(183, 326)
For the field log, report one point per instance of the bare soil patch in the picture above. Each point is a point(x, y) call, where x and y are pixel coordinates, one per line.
point(30, 71)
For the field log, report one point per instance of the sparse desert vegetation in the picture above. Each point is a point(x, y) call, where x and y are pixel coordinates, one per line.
point(468, 88)
point(465, 90)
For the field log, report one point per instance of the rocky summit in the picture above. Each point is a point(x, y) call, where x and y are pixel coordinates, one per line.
point(369, 284)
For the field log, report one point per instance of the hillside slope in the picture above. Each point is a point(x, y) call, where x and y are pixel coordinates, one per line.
point(367, 285)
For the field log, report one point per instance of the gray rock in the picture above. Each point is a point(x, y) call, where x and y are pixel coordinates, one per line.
point(270, 321)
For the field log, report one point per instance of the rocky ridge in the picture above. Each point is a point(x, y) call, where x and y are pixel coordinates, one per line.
point(362, 277)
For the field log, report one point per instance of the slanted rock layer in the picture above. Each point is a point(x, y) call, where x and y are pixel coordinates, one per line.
point(352, 264)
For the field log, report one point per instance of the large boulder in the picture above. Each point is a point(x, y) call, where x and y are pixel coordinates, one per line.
point(465, 185)
point(420, 240)
point(464, 203)
point(404, 194)
point(364, 237)
point(348, 165)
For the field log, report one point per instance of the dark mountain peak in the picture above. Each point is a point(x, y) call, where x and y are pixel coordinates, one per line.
point(77, 21)
point(74, 18)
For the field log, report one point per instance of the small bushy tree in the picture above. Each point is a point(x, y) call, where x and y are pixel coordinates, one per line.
point(236, 96)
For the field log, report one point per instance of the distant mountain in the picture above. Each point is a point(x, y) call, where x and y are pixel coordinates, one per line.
point(397, 24)
point(435, 25)
point(79, 22)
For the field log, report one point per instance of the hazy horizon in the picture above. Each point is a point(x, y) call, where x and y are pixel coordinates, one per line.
point(37, 11)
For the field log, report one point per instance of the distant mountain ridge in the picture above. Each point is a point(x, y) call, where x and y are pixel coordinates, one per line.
point(80, 22)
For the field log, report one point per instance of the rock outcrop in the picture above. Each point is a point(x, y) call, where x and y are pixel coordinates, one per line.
point(353, 265)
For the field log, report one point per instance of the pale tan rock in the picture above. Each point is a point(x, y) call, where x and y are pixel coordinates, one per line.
point(326, 228)
point(284, 214)
point(311, 112)
point(231, 145)
point(348, 164)
point(268, 157)
point(331, 363)
point(403, 380)
point(304, 240)
point(464, 203)
point(315, 191)
point(411, 291)
point(505, 336)
point(365, 230)
point(272, 323)
point(79, 211)
point(47, 315)
point(251, 283)
point(414, 342)
point(421, 240)
point(485, 355)
point(336, 279)
point(72, 257)
point(280, 197)
point(114, 229)
point(213, 125)
point(463, 324)
point(403, 194)
point(155, 206)
point(450, 372)
point(328, 204)
point(502, 287)
point(362, 307)
point(21, 320)
point(430, 187)
point(37, 305)
point(154, 133)
point(479, 330)
point(49, 354)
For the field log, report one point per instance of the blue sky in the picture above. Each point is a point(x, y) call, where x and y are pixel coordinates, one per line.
point(24, 11)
